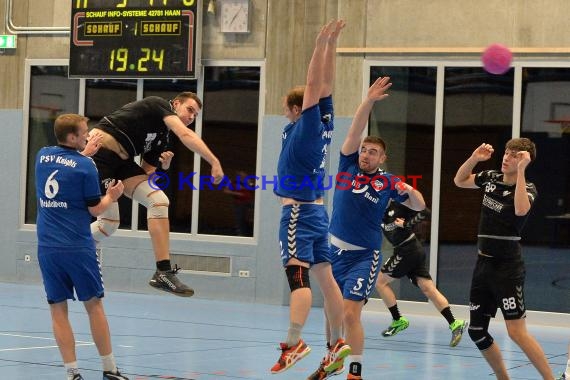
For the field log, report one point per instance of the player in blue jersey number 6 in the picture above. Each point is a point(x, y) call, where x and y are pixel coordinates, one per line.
point(68, 194)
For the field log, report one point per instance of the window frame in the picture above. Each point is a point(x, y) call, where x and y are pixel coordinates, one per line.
point(440, 65)
point(134, 232)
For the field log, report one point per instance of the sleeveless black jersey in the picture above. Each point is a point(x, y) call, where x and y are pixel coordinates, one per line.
point(499, 228)
point(397, 235)
point(139, 127)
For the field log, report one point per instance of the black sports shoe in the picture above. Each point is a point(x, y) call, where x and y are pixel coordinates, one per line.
point(77, 376)
point(108, 375)
point(167, 281)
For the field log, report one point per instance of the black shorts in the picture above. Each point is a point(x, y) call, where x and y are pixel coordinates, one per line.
point(409, 260)
point(111, 166)
point(498, 284)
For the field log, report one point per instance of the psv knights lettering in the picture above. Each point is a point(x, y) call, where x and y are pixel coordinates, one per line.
point(58, 160)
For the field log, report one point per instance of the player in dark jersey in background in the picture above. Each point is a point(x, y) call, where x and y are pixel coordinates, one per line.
point(67, 189)
point(142, 128)
point(499, 275)
point(409, 259)
point(303, 232)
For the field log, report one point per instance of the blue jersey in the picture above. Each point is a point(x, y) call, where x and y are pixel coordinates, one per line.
point(301, 166)
point(358, 208)
point(65, 181)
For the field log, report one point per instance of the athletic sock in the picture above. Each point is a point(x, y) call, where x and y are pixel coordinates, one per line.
point(294, 334)
point(448, 315)
point(336, 334)
point(71, 369)
point(109, 363)
point(567, 372)
point(163, 265)
point(395, 312)
point(355, 367)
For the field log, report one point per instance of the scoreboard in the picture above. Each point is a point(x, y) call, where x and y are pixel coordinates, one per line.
point(133, 39)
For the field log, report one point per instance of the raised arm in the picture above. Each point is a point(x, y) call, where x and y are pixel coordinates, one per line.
point(464, 177)
point(376, 92)
point(193, 142)
point(329, 64)
point(320, 64)
point(522, 203)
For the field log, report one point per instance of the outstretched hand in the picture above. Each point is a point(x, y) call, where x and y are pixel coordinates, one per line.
point(93, 143)
point(115, 189)
point(329, 33)
point(483, 152)
point(338, 26)
point(378, 89)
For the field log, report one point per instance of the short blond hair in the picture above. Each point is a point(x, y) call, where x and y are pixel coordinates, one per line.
point(67, 123)
point(294, 97)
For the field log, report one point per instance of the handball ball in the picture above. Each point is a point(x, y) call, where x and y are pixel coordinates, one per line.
point(497, 59)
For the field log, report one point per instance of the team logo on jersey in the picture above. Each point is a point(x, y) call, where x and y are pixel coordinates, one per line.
point(391, 213)
point(492, 204)
point(490, 187)
point(148, 141)
point(107, 182)
point(506, 192)
point(378, 185)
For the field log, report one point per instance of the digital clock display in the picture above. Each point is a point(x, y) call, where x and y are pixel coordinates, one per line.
point(133, 39)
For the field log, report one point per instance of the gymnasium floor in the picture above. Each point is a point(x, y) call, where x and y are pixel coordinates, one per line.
point(166, 337)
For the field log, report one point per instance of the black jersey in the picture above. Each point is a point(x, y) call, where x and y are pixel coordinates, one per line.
point(139, 127)
point(499, 228)
point(397, 235)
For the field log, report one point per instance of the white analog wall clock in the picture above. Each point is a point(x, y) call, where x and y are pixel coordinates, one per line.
point(235, 16)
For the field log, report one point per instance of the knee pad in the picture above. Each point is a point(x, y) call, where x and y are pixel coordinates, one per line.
point(155, 201)
point(298, 277)
point(480, 336)
point(106, 223)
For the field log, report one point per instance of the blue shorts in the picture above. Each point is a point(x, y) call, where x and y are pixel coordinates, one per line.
point(303, 233)
point(356, 271)
point(66, 269)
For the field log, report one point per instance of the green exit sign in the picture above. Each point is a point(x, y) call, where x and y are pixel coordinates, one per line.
point(7, 41)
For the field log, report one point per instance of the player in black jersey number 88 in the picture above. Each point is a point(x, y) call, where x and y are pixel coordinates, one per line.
point(498, 278)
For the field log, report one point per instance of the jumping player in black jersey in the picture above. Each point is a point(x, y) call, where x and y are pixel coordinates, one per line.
point(142, 127)
point(409, 259)
point(498, 278)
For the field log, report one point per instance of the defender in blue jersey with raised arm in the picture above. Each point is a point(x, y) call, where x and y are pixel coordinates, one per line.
point(360, 199)
point(303, 232)
point(67, 190)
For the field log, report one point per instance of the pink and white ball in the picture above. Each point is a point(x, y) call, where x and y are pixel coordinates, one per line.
point(497, 59)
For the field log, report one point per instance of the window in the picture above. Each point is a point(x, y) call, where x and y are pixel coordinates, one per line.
point(51, 94)
point(228, 124)
point(478, 107)
point(179, 195)
point(103, 96)
point(406, 122)
point(545, 119)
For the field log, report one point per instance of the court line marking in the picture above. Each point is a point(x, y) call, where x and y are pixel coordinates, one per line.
point(78, 342)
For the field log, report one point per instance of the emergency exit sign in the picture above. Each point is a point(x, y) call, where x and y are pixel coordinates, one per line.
point(7, 41)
